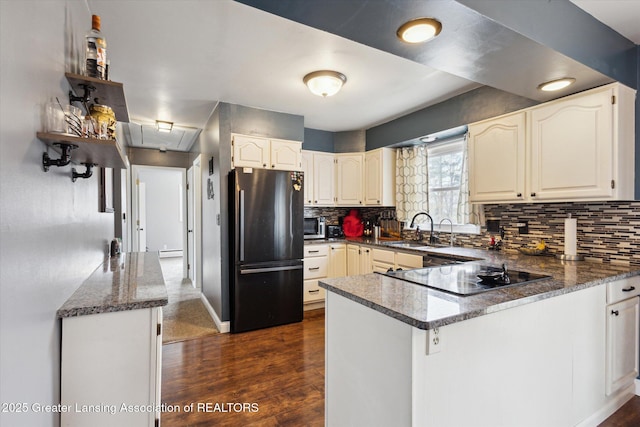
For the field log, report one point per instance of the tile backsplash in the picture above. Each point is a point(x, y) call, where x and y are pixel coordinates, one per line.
point(607, 231)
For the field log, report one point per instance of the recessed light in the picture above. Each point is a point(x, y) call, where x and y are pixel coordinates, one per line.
point(428, 138)
point(164, 126)
point(419, 30)
point(324, 82)
point(556, 84)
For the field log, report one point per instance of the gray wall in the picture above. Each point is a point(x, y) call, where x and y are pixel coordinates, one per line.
point(318, 140)
point(52, 236)
point(215, 141)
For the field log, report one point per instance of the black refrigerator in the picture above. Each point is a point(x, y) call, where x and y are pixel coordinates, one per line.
point(266, 247)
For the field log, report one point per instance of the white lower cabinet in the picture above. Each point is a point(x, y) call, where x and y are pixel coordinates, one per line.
point(622, 314)
point(321, 261)
point(359, 260)
point(111, 367)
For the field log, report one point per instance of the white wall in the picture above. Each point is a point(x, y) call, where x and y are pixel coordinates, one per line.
point(165, 201)
point(51, 234)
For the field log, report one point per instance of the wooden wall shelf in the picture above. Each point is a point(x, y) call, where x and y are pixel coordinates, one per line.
point(107, 93)
point(103, 152)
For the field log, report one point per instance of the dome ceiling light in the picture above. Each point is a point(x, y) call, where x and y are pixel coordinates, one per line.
point(419, 30)
point(556, 84)
point(324, 82)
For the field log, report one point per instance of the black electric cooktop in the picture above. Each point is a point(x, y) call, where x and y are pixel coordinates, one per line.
point(467, 278)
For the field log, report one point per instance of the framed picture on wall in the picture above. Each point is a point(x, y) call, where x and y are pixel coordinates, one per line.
point(106, 190)
point(211, 166)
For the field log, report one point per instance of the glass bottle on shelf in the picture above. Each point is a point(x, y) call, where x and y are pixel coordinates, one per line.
point(96, 51)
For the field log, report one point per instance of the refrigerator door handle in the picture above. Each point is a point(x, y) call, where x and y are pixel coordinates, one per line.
point(241, 232)
point(270, 269)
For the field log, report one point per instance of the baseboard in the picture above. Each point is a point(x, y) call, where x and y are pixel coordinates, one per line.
point(637, 386)
point(172, 253)
point(223, 327)
point(610, 407)
point(313, 305)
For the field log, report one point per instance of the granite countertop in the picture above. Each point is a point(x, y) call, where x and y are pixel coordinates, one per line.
point(127, 282)
point(427, 308)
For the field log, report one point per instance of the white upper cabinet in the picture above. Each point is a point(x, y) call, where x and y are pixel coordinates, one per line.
point(264, 153)
point(349, 179)
point(307, 168)
point(578, 147)
point(497, 159)
point(252, 152)
point(286, 155)
point(380, 177)
point(323, 179)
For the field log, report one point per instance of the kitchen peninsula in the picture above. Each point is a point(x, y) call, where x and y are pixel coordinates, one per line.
point(112, 344)
point(561, 351)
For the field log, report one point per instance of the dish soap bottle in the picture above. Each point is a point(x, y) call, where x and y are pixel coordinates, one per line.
point(96, 51)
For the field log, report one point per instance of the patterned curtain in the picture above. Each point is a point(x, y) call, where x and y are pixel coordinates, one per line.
point(412, 182)
point(467, 213)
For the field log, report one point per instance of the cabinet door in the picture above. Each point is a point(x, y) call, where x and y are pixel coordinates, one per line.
point(622, 344)
point(250, 152)
point(366, 260)
point(353, 260)
point(373, 178)
point(380, 177)
point(349, 179)
point(307, 169)
point(338, 260)
point(497, 159)
point(286, 155)
point(323, 179)
point(572, 148)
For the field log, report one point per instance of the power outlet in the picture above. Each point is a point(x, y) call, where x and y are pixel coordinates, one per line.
point(434, 341)
point(523, 227)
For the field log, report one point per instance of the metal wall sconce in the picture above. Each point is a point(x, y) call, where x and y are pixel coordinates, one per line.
point(64, 160)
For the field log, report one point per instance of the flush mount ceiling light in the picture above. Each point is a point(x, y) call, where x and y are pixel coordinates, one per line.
point(164, 126)
point(324, 82)
point(428, 138)
point(556, 84)
point(419, 30)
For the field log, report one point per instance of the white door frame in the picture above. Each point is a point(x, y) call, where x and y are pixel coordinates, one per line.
point(197, 222)
point(133, 206)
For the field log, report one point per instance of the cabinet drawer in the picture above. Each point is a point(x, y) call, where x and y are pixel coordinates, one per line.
point(384, 256)
point(315, 268)
point(623, 289)
point(404, 260)
point(312, 292)
point(315, 250)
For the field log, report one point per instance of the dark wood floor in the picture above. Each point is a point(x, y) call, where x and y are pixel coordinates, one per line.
point(281, 370)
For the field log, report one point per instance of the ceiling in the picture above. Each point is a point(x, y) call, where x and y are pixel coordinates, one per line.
point(177, 59)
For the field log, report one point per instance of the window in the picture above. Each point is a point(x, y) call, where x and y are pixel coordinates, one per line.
point(445, 162)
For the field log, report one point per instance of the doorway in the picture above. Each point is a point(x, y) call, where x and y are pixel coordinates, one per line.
point(158, 210)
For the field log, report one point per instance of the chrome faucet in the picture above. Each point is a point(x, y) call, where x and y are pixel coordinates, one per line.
point(432, 238)
point(452, 238)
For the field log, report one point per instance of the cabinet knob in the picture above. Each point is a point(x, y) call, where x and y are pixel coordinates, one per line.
point(264, 165)
point(519, 195)
point(273, 166)
point(315, 201)
point(533, 194)
point(615, 312)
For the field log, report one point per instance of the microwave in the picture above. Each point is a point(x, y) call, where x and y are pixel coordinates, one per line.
point(315, 228)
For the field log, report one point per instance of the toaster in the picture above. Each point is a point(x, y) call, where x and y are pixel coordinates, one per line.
point(334, 231)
